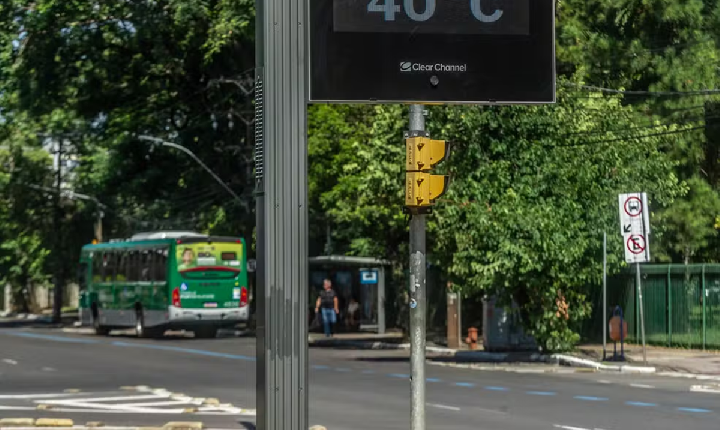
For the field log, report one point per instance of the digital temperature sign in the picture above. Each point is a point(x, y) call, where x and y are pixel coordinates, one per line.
point(446, 51)
point(432, 16)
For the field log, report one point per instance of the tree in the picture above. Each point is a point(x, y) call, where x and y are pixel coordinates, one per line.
point(23, 214)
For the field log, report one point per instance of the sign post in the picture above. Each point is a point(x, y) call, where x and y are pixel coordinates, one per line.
point(635, 228)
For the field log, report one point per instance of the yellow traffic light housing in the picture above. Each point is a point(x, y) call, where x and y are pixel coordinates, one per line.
point(422, 189)
point(423, 153)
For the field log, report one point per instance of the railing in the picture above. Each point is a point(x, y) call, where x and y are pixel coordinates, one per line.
point(681, 304)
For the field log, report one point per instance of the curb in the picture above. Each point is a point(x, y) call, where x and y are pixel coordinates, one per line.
point(489, 357)
point(569, 360)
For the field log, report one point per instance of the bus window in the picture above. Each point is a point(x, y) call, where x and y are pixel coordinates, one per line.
point(82, 276)
point(133, 268)
point(122, 266)
point(217, 259)
point(160, 265)
point(97, 266)
point(109, 266)
point(145, 265)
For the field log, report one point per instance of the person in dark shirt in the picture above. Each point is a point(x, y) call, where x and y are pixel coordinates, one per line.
point(327, 302)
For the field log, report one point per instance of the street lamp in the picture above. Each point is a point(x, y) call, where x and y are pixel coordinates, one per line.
point(155, 140)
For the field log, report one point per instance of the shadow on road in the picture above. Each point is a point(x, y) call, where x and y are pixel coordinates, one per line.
point(248, 425)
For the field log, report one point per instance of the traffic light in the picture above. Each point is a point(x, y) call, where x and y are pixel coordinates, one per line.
point(422, 155)
point(421, 189)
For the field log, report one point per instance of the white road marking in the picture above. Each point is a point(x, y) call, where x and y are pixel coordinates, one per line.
point(161, 402)
point(48, 369)
point(704, 389)
point(95, 406)
point(110, 399)
point(569, 427)
point(642, 386)
point(16, 408)
point(33, 396)
point(9, 361)
point(165, 403)
point(604, 381)
point(439, 406)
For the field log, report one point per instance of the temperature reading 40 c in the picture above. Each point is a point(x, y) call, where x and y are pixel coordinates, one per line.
point(389, 8)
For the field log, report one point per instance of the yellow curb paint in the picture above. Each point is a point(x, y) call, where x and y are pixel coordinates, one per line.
point(53, 422)
point(17, 422)
point(72, 390)
point(184, 425)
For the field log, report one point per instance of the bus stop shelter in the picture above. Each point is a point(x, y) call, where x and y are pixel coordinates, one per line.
point(358, 280)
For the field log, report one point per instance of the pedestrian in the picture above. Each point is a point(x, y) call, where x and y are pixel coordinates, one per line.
point(327, 301)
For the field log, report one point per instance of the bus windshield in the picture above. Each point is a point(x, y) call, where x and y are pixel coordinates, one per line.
point(196, 259)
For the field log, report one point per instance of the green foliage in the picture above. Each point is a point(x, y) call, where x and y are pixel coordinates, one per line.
point(23, 215)
point(532, 188)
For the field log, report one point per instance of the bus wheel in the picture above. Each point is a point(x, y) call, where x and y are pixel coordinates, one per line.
point(140, 329)
point(206, 333)
point(100, 330)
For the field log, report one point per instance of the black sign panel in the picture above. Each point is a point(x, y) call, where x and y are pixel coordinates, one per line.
point(451, 51)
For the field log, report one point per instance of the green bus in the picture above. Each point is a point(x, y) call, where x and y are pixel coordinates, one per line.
point(162, 281)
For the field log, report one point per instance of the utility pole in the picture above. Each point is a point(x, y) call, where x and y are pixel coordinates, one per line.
point(605, 314)
point(418, 299)
point(98, 225)
point(57, 227)
point(421, 190)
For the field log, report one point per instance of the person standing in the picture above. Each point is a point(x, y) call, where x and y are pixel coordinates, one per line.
point(328, 303)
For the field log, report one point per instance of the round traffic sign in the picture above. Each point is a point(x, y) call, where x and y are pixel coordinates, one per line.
point(633, 206)
point(636, 243)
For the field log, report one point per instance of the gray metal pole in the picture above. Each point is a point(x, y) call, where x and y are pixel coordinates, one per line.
point(418, 300)
point(642, 316)
point(605, 314)
point(282, 215)
point(57, 226)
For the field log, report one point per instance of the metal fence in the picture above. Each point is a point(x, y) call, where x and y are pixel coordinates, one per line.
point(681, 305)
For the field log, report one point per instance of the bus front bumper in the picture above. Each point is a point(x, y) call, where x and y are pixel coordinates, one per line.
point(221, 316)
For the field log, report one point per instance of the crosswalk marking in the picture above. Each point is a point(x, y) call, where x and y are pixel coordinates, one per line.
point(146, 401)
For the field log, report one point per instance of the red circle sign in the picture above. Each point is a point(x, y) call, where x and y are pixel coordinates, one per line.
point(633, 206)
point(636, 244)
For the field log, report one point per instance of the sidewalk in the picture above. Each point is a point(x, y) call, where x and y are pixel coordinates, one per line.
point(664, 359)
point(35, 320)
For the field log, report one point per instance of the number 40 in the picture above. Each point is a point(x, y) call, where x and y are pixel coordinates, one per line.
point(389, 8)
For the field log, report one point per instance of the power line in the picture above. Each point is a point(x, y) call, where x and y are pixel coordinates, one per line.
point(627, 138)
point(706, 92)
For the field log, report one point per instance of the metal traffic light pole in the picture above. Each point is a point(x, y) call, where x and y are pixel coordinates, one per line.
point(418, 298)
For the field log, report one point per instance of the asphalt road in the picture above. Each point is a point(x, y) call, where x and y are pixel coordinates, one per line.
point(87, 378)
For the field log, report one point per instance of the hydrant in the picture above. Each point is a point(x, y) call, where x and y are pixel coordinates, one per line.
point(472, 338)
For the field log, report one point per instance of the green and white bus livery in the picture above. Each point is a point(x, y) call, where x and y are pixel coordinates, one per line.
point(191, 282)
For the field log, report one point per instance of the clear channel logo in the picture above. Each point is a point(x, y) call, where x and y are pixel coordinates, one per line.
point(410, 67)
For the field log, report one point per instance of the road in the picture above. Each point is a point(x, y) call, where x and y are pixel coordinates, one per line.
point(126, 381)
